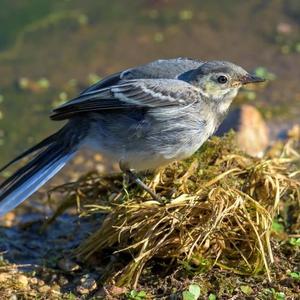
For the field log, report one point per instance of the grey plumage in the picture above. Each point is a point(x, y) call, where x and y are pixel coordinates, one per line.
point(143, 118)
point(162, 68)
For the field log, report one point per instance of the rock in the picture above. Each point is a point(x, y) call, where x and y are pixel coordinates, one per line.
point(284, 28)
point(41, 282)
point(252, 132)
point(34, 280)
point(87, 284)
point(68, 265)
point(111, 292)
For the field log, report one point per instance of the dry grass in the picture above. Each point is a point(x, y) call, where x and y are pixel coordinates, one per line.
point(218, 211)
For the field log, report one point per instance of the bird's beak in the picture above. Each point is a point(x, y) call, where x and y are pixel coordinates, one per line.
point(251, 79)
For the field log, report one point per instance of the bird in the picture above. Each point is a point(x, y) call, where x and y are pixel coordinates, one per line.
point(142, 118)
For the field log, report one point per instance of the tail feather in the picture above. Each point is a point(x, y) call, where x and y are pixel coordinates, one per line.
point(31, 150)
point(23, 173)
point(53, 153)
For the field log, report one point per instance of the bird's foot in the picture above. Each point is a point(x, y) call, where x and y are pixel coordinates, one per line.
point(146, 188)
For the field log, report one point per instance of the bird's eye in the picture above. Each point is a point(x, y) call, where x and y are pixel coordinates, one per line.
point(222, 79)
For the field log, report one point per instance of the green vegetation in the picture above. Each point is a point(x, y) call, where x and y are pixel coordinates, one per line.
point(192, 293)
point(212, 207)
point(224, 213)
point(135, 295)
point(229, 221)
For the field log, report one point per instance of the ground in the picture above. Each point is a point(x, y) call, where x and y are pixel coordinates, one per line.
point(50, 51)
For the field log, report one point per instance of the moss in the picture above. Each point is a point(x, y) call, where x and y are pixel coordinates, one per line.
point(218, 212)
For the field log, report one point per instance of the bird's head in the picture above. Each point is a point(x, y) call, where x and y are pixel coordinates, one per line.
point(219, 79)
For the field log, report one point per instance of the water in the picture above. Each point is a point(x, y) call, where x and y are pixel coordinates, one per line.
point(50, 50)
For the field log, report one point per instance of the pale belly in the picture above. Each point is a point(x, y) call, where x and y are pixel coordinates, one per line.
point(148, 157)
point(151, 141)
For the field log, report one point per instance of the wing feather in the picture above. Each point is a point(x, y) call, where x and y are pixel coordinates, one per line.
point(161, 68)
point(139, 93)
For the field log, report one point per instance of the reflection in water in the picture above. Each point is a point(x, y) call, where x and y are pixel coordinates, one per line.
point(50, 51)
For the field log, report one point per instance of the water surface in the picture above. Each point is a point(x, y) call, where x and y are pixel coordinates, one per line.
point(50, 50)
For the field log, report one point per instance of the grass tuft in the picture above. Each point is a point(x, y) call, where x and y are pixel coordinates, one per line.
point(218, 211)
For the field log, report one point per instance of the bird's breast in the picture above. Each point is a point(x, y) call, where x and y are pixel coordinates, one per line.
point(152, 139)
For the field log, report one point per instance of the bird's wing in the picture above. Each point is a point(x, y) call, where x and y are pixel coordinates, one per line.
point(139, 93)
point(106, 82)
point(162, 68)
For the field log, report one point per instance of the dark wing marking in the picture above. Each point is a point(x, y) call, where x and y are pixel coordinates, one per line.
point(140, 93)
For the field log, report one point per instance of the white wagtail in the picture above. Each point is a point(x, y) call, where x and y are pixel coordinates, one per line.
point(142, 118)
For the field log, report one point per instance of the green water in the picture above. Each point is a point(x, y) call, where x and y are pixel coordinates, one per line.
point(50, 50)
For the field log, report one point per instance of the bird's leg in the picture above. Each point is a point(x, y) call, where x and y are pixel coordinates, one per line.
point(154, 182)
point(138, 181)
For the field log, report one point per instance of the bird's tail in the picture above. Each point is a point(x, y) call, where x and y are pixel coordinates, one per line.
point(49, 156)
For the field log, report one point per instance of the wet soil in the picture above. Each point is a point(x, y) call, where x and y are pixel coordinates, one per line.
point(71, 44)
